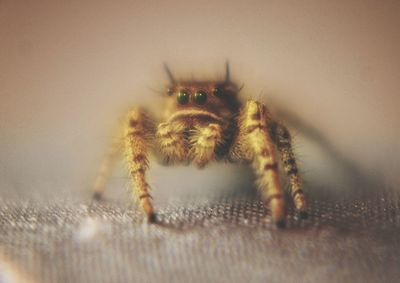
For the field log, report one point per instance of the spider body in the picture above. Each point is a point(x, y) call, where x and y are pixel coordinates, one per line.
point(205, 121)
point(198, 122)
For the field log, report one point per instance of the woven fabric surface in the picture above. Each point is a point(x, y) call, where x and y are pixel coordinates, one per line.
point(226, 239)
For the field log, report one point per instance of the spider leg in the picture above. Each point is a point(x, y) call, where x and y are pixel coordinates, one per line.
point(138, 136)
point(105, 170)
point(254, 140)
point(171, 141)
point(283, 141)
point(204, 141)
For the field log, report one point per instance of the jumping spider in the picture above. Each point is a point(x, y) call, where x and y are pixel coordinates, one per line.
point(205, 121)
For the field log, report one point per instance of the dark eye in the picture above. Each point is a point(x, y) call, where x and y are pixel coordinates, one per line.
point(170, 91)
point(200, 97)
point(217, 92)
point(183, 97)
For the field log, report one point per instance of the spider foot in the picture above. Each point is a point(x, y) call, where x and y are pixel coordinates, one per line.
point(302, 214)
point(280, 224)
point(97, 196)
point(152, 218)
point(278, 212)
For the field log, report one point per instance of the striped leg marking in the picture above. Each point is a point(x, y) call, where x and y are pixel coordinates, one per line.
point(283, 141)
point(253, 124)
point(137, 140)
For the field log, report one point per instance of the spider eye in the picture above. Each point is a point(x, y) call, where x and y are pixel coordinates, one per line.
point(170, 91)
point(200, 97)
point(183, 97)
point(217, 92)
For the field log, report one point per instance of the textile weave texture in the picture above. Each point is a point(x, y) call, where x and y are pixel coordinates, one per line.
point(225, 239)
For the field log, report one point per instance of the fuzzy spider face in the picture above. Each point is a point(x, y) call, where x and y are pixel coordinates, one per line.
point(216, 100)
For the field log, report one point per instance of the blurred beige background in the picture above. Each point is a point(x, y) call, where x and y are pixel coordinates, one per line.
point(68, 69)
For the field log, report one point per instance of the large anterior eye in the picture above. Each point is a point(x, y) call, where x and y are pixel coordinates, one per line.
point(183, 97)
point(200, 97)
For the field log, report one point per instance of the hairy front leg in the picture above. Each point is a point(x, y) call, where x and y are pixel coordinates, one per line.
point(138, 137)
point(204, 141)
point(254, 140)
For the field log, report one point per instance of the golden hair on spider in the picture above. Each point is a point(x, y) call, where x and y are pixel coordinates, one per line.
point(205, 121)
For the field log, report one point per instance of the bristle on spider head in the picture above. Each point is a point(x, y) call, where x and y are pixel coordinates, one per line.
point(227, 72)
point(169, 74)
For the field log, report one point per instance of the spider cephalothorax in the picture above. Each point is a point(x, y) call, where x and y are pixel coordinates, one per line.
point(205, 121)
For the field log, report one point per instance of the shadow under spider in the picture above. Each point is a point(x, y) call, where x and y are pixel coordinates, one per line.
point(362, 184)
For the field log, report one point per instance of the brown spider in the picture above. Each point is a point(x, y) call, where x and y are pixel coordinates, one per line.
point(205, 121)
